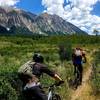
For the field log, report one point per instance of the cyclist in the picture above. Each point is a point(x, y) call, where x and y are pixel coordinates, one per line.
point(78, 57)
point(32, 88)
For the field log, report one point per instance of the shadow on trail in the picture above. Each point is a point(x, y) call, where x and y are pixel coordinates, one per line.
point(73, 83)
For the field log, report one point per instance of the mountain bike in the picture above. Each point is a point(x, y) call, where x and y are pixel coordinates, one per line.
point(52, 95)
point(74, 81)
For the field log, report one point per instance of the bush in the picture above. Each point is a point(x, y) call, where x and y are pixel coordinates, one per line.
point(96, 73)
point(65, 51)
point(7, 92)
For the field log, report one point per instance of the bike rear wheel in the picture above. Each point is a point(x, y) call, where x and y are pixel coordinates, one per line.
point(56, 97)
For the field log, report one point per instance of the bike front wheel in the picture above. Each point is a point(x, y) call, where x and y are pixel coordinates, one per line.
point(56, 97)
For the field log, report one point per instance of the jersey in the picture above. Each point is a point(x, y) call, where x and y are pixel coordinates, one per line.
point(34, 70)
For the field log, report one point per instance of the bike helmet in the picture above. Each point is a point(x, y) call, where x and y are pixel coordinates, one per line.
point(38, 58)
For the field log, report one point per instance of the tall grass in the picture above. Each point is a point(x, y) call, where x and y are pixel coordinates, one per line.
point(15, 51)
point(96, 74)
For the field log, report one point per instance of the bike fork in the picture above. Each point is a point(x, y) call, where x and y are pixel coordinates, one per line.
point(49, 95)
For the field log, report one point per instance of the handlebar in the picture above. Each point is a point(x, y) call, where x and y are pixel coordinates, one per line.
point(55, 84)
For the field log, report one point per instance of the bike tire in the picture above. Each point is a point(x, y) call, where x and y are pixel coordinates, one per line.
point(56, 97)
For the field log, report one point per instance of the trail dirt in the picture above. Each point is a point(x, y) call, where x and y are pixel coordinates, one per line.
point(84, 91)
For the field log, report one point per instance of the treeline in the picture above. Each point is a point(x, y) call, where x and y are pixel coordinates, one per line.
point(55, 39)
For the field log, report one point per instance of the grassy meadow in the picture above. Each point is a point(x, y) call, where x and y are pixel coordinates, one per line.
point(16, 50)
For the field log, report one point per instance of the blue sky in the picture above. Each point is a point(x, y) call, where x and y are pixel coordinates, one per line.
point(96, 10)
point(84, 14)
point(36, 7)
point(33, 6)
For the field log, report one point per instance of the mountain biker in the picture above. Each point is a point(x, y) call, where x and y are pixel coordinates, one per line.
point(78, 58)
point(32, 88)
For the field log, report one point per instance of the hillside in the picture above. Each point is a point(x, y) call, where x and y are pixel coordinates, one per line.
point(15, 51)
point(19, 21)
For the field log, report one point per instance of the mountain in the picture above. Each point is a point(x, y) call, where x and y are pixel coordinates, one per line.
point(21, 22)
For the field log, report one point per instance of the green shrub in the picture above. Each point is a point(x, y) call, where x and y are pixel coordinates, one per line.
point(7, 92)
point(96, 73)
point(65, 51)
point(16, 50)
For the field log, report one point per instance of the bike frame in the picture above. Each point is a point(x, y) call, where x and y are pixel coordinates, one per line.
point(51, 92)
point(50, 95)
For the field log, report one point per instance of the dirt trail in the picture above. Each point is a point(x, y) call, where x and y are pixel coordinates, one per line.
point(83, 92)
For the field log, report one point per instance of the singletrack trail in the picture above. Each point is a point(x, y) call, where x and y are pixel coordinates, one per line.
point(83, 92)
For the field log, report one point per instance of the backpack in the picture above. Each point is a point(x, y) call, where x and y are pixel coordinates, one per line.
point(26, 68)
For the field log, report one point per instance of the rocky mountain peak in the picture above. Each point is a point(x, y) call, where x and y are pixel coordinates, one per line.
point(35, 24)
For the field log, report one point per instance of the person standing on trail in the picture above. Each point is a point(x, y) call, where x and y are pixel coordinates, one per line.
point(78, 58)
point(32, 88)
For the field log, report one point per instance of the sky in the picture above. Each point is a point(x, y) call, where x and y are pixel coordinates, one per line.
point(84, 14)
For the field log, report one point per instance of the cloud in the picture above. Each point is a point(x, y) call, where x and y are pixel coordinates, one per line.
point(77, 12)
point(53, 6)
point(8, 2)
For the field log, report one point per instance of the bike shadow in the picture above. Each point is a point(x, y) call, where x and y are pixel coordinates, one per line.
point(73, 83)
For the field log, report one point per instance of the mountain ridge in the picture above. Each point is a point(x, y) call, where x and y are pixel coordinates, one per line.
point(16, 19)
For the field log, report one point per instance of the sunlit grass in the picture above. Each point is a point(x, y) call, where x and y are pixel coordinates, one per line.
point(15, 51)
